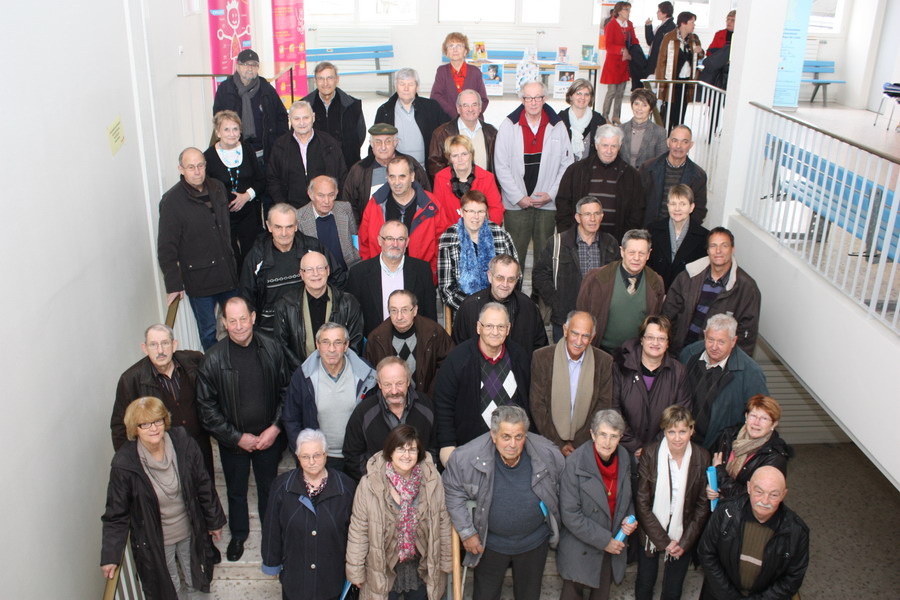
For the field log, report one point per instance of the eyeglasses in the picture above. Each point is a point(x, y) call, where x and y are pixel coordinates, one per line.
point(500, 279)
point(393, 240)
point(456, 46)
point(656, 338)
point(407, 450)
point(156, 423)
point(467, 106)
point(532, 98)
point(386, 142)
point(474, 213)
point(591, 215)
point(316, 269)
point(759, 418)
point(197, 167)
point(406, 310)
point(490, 327)
point(311, 457)
point(252, 65)
point(608, 436)
point(162, 344)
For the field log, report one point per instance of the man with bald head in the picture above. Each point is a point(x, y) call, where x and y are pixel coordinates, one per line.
point(570, 381)
point(470, 124)
point(194, 243)
point(329, 221)
point(754, 545)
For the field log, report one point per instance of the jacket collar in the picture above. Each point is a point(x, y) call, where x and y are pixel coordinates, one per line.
point(700, 265)
point(552, 115)
point(421, 198)
point(361, 371)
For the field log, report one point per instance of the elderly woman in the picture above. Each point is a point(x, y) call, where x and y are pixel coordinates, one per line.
point(457, 75)
point(643, 139)
point(466, 248)
point(306, 523)
point(670, 504)
point(161, 492)
point(580, 119)
point(646, 381)
point(234, 164)
point(399, 539)
point(619, 35)
point(463, 175)
point(594, 503)
point(678, 239)
point(742, 449)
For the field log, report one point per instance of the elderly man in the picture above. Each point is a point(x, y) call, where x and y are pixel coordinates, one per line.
point(256, 101)
point(337, 113)
point(722, 377)
point(710, 286)
point(622, 293)
point(569, 257)
point(483, 135)
point(303, 309)
point(570, 381)
point(194, 243)
point(330, 222)
point(419, 341)
point(374, 280)
point(370, 174)
point(679, 53)
point(240, 391)
point(477, 376)
point(661, 173)
point(301, 155)
point(754, 545)
point(608, 178)
point(503, 276)
point(513, 478)
point(395, 402)
point(403, 199)
point(334, 373)
point(530, 156)
point(415, 117)
point(272, 267)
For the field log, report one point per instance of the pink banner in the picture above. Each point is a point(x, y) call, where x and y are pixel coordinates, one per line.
point(229, 33)
point(289, 37)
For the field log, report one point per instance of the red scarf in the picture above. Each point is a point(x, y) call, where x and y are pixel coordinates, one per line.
point(534, 143)
point(459, 77)
point(610, 477)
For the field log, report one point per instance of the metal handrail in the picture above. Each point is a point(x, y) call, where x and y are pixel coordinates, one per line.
point(172, 312)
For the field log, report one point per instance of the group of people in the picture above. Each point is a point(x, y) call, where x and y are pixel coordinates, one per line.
point(399, 425)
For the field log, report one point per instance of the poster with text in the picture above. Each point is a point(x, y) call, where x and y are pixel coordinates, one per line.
point(492, 73)
point(229, 33)
point(289, 42)
point(565, 75)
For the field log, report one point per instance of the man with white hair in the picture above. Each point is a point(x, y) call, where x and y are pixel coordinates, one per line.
point(608, 178)
point(530, 156)
point(470, 124)
point(414, 116)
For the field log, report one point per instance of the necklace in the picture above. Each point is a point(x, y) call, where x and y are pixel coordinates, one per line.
point(607, 488)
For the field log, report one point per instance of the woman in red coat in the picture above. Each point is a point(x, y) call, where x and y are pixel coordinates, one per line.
point(461, 176)
point(619, 35)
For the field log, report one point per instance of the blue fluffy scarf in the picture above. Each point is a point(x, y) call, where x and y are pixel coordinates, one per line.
point(473, 267)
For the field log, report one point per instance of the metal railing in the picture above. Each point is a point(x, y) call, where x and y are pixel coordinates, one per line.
point(833, 202)
point(125, 584)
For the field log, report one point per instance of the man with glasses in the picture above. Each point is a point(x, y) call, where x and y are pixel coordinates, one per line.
point(373, 281)
point(479, 375)
point(303, 309)
point(470, 124)
point(394, 402)
point(530, 156)
point(325, 390)
point(263, 117)
point(337, 113)
point(503, 275)
point(240, 392)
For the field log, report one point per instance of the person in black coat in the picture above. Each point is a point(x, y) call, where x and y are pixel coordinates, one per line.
point(669, 259)
point(308, 520)
point(342, 117)
point(665, 13)
point(159, 462)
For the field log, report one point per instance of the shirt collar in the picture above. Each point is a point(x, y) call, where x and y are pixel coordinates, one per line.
point(709, 365)
point(385, 268)
point(493, 361)
point(463, 129)
point(312, 134)
point(580, 359)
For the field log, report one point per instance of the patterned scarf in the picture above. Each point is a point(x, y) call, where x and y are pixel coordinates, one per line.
point(473, 266)
point(742, 449)
point(408, 522)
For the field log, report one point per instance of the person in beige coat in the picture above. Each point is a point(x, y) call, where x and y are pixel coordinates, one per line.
point(399, 538)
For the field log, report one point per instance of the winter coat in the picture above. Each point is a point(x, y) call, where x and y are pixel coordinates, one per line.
point(351, 130)
point(444, 92)
point(615, 68)
point(304, 541)
point(642, 410)
point(774, 453)
point(428, 114)
point(484, 182)
point(654, 40)
point(132, 506)
point(357, 187)
point(469, 476)
point(287, 177)
point(653, 176)
point(587, 526)
point(433, 344)
point(436, 158)
point(692, 248)
point(596, 121)
point(372, 549)
point(266, 102)
point(653, 144)
point(527, 328)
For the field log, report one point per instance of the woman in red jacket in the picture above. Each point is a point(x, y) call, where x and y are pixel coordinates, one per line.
point(451, 183)
point(619, 35)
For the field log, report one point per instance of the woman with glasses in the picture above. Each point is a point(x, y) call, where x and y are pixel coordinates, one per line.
point(455, 76)
point(466, 248)
point(304, 536)
point(159, 490)
point(399, 540)
point(463, 175)
point(580, 119)
point(744, 448)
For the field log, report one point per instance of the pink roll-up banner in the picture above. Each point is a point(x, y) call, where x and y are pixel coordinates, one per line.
point(229, 33)
point(289, 42)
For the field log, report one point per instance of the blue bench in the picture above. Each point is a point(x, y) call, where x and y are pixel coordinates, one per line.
point(816, 67)
point(840, 197)
point(376, 53)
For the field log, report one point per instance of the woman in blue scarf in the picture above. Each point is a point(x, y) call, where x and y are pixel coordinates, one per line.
point(467, 247)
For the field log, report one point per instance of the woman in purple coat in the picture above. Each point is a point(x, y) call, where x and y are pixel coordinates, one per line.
point(457, 75)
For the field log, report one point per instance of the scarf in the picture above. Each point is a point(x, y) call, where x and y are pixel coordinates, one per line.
point(408, 489)
point(566, 419)
point(742, 449)
point(669, 516)
point(246, 94)
point(164, 473)
point(459, 187)
point(578, 125)
point(473, 266)
point(676, 239)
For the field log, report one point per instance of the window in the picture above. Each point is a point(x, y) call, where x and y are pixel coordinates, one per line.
point(540, 11)
point(477, 11)
point(826, 16)
point(318, 11)
point(392, 11)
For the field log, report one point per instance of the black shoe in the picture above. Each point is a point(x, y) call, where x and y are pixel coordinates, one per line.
point(235, 550)
point(217, 556)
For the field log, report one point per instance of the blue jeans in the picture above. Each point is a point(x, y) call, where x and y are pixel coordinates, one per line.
point(204, 308)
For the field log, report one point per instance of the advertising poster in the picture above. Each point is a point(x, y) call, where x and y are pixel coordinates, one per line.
point(492, 73)
point(793, 48)
point(565, 75)
point(229, 33)
point(289, 43)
